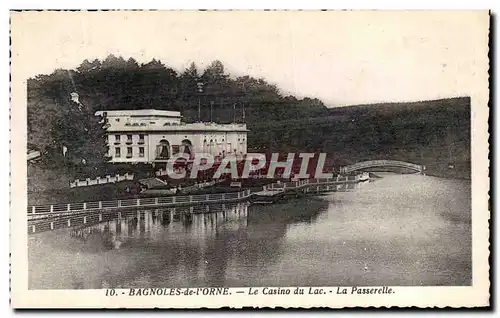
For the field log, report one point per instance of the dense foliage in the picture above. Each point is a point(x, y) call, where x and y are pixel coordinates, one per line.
point(66, 132)
point(54, 121)
point(431, 131)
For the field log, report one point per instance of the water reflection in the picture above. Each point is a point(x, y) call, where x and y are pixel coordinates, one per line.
point(158, 224)
point(173, 246)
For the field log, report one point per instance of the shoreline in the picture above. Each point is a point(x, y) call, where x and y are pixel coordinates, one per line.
point(52, 215)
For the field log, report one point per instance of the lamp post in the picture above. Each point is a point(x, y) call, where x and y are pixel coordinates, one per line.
point(199, 86)
point(211, 106)
point(243, 104)
point(234, 113)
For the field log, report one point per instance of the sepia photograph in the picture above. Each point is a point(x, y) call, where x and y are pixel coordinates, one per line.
point(275, 156)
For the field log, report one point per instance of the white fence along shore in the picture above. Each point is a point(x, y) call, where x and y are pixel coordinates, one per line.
point(101, 180)
point(54, 210)
point(62, 209)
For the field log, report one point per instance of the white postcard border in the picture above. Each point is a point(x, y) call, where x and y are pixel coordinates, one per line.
point(475, 295)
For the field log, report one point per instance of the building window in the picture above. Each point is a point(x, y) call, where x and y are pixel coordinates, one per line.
point(129, 139)
point(163, 149)
point(141, 139)
point(117, 119)
point(187, 147)
point(141, 152)
point(176, 149)
point(117, 139)
point(117, 152)
point(129, 152)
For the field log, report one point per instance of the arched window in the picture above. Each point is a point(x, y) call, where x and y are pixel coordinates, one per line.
point(187, 147)
point(163, 149)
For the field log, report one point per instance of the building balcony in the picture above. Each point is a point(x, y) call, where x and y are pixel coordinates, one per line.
point(140, 142)
point(129, 142)
point(129, 156)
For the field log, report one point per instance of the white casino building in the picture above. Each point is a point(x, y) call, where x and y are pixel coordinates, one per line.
point(149, 136)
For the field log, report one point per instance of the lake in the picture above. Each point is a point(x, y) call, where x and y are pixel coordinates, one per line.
point(399, 230)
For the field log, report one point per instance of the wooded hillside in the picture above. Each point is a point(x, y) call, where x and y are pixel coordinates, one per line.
point(422, 132)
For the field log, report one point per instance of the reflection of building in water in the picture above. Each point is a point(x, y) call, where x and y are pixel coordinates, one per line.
point(176, 223)
point(203, 221)
point(187, 247)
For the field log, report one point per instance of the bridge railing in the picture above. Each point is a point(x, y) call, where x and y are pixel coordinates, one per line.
point(380, 163)
point(139, 202)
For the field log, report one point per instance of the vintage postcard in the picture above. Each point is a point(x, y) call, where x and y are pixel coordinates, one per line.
point(207, 159)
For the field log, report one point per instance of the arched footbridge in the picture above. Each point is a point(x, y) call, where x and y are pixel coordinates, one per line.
point(381, 164)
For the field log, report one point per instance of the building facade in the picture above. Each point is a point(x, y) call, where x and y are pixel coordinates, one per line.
point(149, 136)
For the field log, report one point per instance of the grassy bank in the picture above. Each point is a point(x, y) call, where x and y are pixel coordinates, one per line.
point(51, 185)
point(105, 192)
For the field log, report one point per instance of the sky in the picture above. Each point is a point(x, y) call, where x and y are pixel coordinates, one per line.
point(342, 57)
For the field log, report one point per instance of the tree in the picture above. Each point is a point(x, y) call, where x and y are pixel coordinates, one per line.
point(89, 67)
point(188, 82)
point(132, 64)
point(154, 86)
point(67, 133)
point(122, 83)
point(41, 114)
point(215, 79)
point(113, 62)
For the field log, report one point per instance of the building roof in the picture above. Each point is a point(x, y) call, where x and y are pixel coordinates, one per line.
point(198, 127)
point(162, 126)
point(141, 113)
